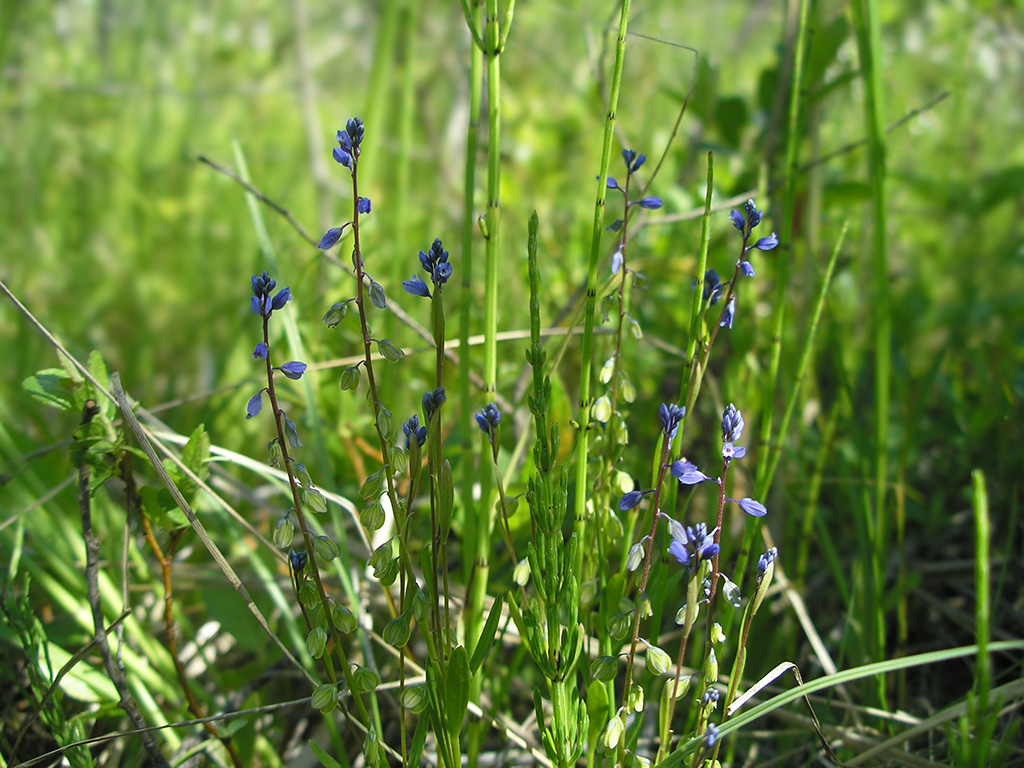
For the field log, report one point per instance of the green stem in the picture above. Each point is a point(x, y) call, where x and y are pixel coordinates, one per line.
point(586, 363)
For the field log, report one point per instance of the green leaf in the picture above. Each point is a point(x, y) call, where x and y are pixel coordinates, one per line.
point(194, 455)
point(325, 760)
point(457, 689)
point(483, 645)
point(51, 387)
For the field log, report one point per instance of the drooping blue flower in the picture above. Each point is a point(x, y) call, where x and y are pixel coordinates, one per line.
point(670, 415)
point(488, 419)
point(255, 405)
point(363, 205)
point(686, 472)
point(415, 286)
point(413, 430)
point(631, 499)
point(261, 351)
point(729, 315)
point(649, 203)
point(617, 259)
point(747, 269)
point(330, 237)
point(291, 432)
point(752, 507)
point(293, 370)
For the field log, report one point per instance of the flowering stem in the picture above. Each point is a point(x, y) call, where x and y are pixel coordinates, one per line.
point(655, 506)
point(306, 535)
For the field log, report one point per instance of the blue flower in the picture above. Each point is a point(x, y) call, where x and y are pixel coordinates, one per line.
point(729, 315)
point(488, 419)
point(413, 430)
point(710, 736)
point(435, 262)
point(687, 473)
point(363, 205)
point(432, 401)
point(415, 286)
point(751, 506)
point(747, 269)
point(765, 560)
point(615, 226)
point(260, 301)
point(611, 183)
point(297, 560)
point(293, 370)
point(692, 545)
point(330, 238)
point(671, 414)
point(631, 499)
point(753, 215)
point(348, 143)
point(261, 351)
point(633, 160)
point(649, 203)
point(732, 424)
point(737, 219)
point(766, 243)
point(714, 288)
point(254, 406)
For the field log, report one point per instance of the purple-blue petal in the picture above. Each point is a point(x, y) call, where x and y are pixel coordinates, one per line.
point(341, 156)
point(688, 474)
point(611, 183)
point(255, 405)
point(737, 219)
point(679, 552)
point(363, 205)
point(260, 353)
point(767, 243)
point(256, 304)
point(282, 297)
point(330, 238)
point(650, 203)
point(751, 506)
point(416, 286)
point(747, 269)
point(293, 370)
point(630, 500)
point(729, 315)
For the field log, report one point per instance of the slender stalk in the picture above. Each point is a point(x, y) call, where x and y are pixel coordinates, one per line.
point(586, 363)
point(867, 26)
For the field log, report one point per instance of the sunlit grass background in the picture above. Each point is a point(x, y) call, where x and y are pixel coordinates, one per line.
point(118, 239)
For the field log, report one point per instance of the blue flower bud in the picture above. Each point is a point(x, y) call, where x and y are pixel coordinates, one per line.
point(330, 238)
point(293, 370)
point(750, 506)
point(363, 205)
point(260, 353)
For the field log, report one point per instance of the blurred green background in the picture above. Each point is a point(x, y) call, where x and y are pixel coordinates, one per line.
point(118, 239)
